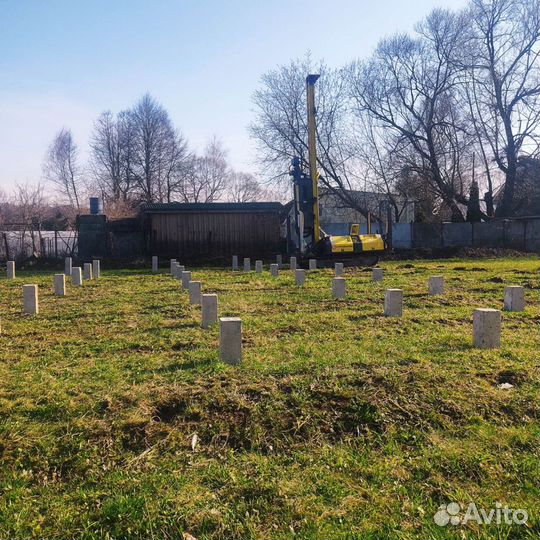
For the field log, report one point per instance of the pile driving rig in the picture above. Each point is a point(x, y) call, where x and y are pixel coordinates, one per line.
point(354, 249)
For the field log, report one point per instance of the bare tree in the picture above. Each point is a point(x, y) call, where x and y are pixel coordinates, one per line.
point(280, 127)
point(481, 144)
point(243, 187)
point(61, 168)
point(157, 149)
point(29, 201)
point(4, 207)
point(111, 149)
point(409, 88)
point(381, 166)
point(178, 165)
point(138, 155)
point(207, 178)
point(504, 77)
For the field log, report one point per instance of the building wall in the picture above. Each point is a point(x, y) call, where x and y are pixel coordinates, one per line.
point(337, 219)
point(214, 234)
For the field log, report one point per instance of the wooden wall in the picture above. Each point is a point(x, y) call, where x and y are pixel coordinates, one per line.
point(214, 234)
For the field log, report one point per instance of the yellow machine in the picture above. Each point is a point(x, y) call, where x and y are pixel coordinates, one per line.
point(311, 241)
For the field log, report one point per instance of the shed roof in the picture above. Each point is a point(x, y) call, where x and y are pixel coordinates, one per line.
point(219, 207)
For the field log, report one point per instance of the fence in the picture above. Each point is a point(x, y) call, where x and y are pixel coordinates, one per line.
point(20, 245)
point(98, 237)
point(520, 234)
point(126, 238)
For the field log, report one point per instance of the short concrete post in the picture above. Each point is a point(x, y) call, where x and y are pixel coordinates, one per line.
point(209, 310)
point(247, 264)
point(338, 269)
point(60, 284)
point(436, 285)
point(195, 290)
point(258, 267)
point(11, 269)
point(235, 262)
point(393, 302)
point(514, 298)
point(68, 265)
point(30, 299)
point(76, 276)
point(186, 278)
point(178, 269)
point(96, 268)
point(313, 264)
point(274, 270)
point(173, 267)
point(300, 276)
point(87, 270)
point(487, 328)
point(377, 274)
point(338, 287)
point(230, 340)
point(279, 261)
point(154, 264)
point(292, 263)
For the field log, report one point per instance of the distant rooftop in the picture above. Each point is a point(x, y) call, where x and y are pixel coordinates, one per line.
point(220, 207)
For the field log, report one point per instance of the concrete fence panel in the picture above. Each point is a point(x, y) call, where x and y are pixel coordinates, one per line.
point(402, 235)
point(457, 234)
point(490, 234)
point(515, 234)
point(518, 234)
point(532, 235)
point(427, 235)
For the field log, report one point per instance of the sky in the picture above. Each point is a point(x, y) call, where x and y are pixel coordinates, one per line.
point(63, 62)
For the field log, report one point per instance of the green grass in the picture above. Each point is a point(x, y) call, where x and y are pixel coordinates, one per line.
point(340, 423)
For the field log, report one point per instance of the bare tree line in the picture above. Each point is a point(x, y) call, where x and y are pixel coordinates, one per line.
point(139, 156)
point(431, 117)
point(428, 117)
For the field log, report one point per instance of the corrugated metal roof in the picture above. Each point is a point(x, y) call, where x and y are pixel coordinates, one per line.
point(223, 207)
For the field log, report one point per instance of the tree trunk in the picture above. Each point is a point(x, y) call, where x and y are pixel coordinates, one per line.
point(504, 209)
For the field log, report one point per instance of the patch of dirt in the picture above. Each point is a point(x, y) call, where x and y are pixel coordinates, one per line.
point(511, 376)
point(182, 345)
point(453, 252)
point(140, 348)
point(288, 330)
point(489, 252)
point(168, 410)
point(278, 414)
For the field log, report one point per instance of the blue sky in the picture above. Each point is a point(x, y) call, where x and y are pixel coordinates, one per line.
point(64, 62)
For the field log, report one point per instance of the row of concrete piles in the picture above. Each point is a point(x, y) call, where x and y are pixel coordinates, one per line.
point(31, 293)
point(486, 321)
point(230, 335)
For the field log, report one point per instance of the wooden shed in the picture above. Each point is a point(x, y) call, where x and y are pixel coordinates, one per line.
point(213, 230)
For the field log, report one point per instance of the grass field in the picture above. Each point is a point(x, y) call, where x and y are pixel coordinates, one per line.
point(340, 423)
